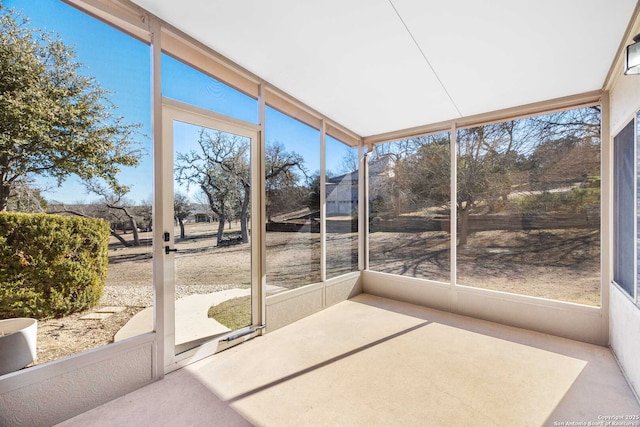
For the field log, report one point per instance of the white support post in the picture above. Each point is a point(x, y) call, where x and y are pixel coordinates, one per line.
point(163, 308)
point(606, 203)
point(258, 224)
point(606, 213)
point(323, 208)
point(453, 218)
point(363, 210)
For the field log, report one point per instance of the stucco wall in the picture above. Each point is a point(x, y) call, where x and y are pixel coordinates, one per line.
point(576, 322)
point(48, 394)
point(287, 307)
point(624, 334)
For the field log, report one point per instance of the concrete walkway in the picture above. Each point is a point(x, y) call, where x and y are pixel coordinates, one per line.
point(192, 322)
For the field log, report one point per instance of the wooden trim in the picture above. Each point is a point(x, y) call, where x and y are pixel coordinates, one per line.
point(543, 107)
point(343, 135)
point(134, 20)
point(425, 130)
point(616, 68)
point(205, 60)
point(125, 16)
point(284, 103)
point(278, 100)
point(191, 110)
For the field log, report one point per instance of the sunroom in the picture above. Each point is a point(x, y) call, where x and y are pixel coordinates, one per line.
point(424, 214)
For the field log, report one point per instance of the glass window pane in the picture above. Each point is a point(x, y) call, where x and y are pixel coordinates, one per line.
point(186, 84)
point(409, 196)
point(212, 209)
point(292, 166)
point(76, 180)
point(341, 207)
point(529, 206)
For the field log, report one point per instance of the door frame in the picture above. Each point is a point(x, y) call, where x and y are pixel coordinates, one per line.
point(164, 264)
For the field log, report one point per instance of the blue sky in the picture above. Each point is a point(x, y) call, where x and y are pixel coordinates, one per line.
point(121, 65)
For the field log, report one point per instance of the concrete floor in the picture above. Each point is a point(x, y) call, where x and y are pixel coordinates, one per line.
point(373, 361)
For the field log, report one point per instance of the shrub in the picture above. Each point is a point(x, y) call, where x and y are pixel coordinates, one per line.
point(572, 201)
point(51, 265)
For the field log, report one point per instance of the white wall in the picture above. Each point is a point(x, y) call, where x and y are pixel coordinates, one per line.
point(48, 394)
point(573, 321)
point(624, 314)
point(624, 334)
point(287, 307)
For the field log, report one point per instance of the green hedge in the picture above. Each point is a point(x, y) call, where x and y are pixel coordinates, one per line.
point(51, 265)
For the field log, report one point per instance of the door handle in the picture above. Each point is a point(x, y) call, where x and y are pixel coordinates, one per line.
point(167, 250)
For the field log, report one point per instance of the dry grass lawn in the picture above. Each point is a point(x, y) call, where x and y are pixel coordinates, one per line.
point(556, 264)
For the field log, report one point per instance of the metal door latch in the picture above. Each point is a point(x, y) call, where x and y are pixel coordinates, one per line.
point(167, 249)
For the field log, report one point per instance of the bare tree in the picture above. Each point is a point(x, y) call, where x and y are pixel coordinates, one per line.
point(26, 197)
point(220, 167)
point(581, 123)
point(115, 199)
point(95, 210)
point(569, 148)
point(349, 161)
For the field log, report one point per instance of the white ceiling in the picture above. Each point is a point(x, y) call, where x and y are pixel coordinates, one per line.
point(376, 66)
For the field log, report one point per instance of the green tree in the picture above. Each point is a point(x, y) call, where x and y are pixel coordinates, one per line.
point(54, 120)
point(425, 174)
point(281, 180)
point(181, 210)
point(313, 200)
point(485, 156)
point(495, 161)
point(145, 209)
